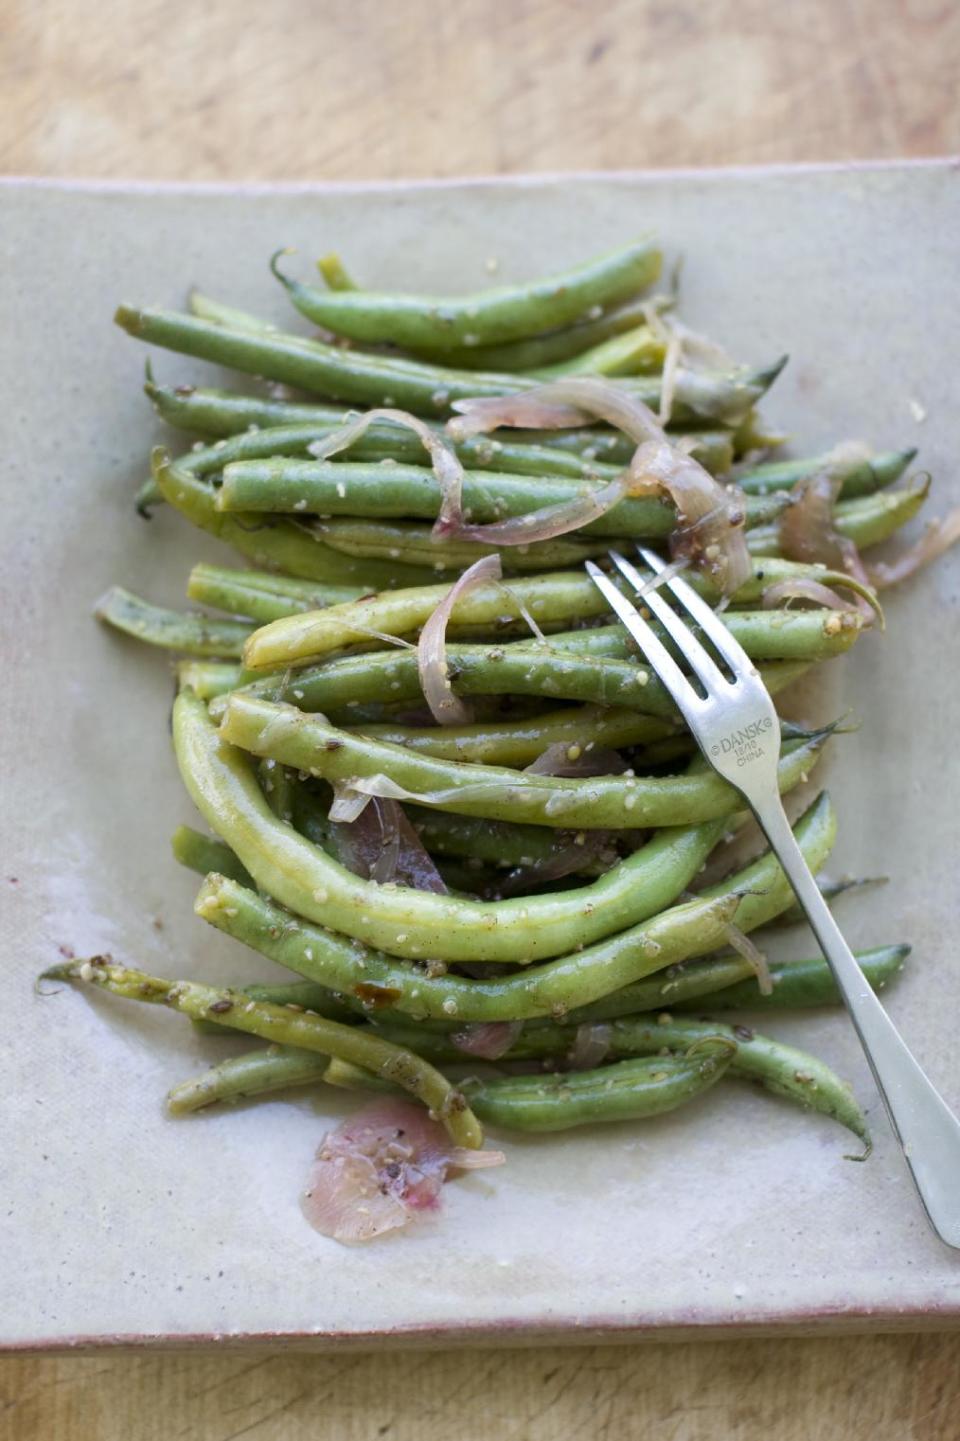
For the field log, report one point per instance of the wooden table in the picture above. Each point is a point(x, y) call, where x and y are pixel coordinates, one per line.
point(341, 89)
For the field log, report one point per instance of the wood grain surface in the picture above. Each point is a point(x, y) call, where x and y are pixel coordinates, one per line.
point(357, 89)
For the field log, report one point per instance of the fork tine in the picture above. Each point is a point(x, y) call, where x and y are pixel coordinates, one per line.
point(712, 627)
point(653, 648)
point(699, 658)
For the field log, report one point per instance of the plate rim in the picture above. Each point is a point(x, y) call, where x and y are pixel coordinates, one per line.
point(144, 185)
point(689, 1323)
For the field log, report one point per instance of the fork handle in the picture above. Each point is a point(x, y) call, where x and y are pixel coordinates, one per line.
point(927, 1129)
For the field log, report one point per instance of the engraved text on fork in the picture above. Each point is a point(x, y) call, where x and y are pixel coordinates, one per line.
point(743, 744)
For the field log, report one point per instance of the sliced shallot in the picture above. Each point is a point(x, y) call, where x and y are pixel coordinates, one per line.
point(488, 1040)
point(567, 860)
point(742, 944)
point(591, 1045)
point(566, 760)
point(801, 588)
point(558, 405)
point(711, 516)
point(668, 379)
point(381, 1167)
point(807, 528)
point(375, 840)
point(548, 521)
point(446, 466)
point(940, 535)
point(445, 707)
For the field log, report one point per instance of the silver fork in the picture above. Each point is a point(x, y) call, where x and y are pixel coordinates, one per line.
point(735, 725)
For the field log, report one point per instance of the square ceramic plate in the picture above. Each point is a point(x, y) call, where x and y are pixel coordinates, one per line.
point(122, 1225)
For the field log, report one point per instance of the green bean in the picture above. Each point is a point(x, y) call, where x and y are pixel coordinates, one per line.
point(307, 996)
point(634, 352)
point(384, 983)
point(346, 683)
point(714, 449)
point(468, 879)
point(766, 635)
point(560, 596)
point(625, 1091)
point(412, 492)
point(755, 434)
point(335, 274)
point(212, 412)
point(387, 440)
point(792, 1074)
point(387, 985)
point(351, 375)
point(261, 595)
point(206, 308)
point(279, 787)
point(253, 1074)
point(830, 890)
point(506, 313)
point(264, 595)
point(628, 1090)
point(866, 521)
point(271, 542)
point(518, 742)
point(490, 842)
point(552, 603)
point(766, 891)
point(659, 753)
point(208, 678)
point(204, 854)
point(787, 1072)
point(797, 984)
point(705, 985)
point(289, 440)
point(298, 638)
point(209, 411)
point(239, 1078)
point(278, 1023)
point(354, 1078)
point(299, 874)
point(417, 545)
point(296, 996)
point(557, 346)
point(201, 635)
point(861, 476)
point(310, 743)
point(220, 782)
point(767, 570)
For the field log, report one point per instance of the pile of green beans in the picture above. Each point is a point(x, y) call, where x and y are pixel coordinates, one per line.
point(565, 906)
